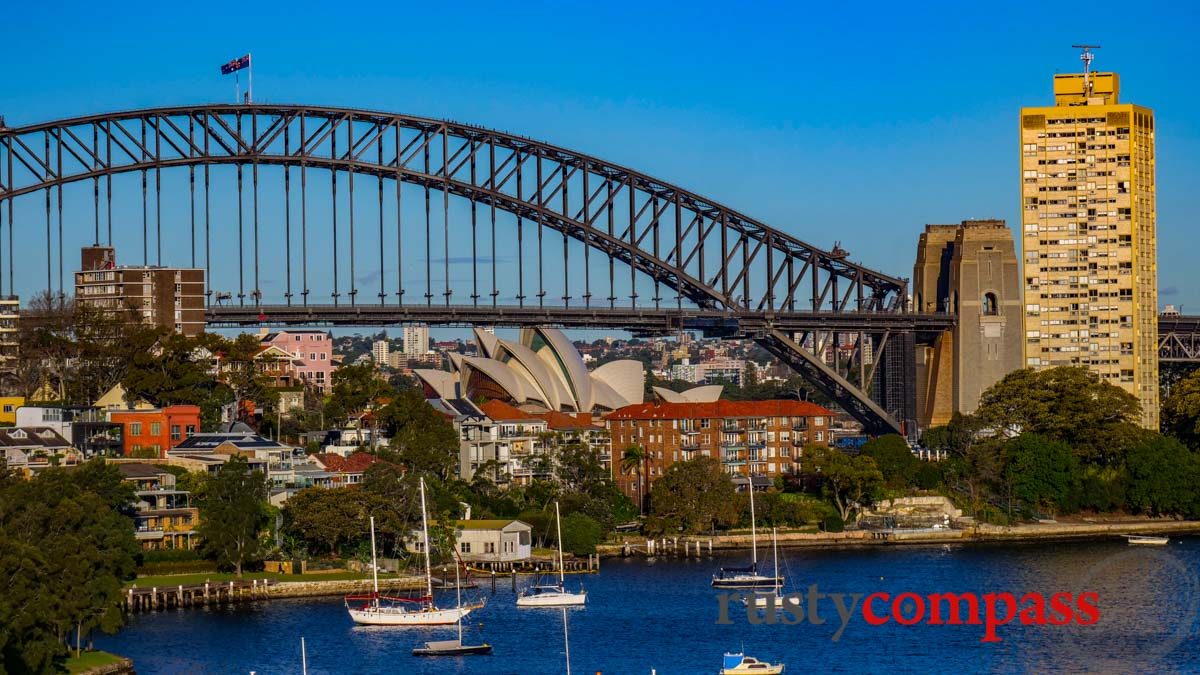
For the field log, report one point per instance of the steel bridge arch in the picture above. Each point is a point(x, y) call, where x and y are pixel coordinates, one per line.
point(759, 270)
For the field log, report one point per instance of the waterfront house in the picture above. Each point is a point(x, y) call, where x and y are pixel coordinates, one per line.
point(164, 517)
point(490, 541)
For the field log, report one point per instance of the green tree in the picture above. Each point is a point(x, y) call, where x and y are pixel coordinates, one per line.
point(356, 390)
point(242, 370)
point(65, 552)
point(580, 534)
point(635, 459)
point(894, 458)
point(847, 481)
point(694, 496)
point(1041, 472)
point(233, 514)
point(329, 520)
point(1181, 411)
point(423, 439)
point(1095, 417)
point(174, 369)
point(1163, 475)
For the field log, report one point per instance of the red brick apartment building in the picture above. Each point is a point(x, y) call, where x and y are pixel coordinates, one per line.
point(761, 438)
point(157, 429)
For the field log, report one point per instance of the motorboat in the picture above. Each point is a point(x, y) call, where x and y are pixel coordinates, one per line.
point(1146, 540)
point(740, 664)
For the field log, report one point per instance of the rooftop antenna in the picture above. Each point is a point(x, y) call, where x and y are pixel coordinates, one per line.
point(1086, 57)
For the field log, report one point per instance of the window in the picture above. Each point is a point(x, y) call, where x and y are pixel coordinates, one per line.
point(156, 428)
point(190, 429)
point(297, 338)
point(135, 429)
point(8, 407)
point(990, 308)
point(322, 356)
point(489, 547)
point(464, 547)
point(175, 435)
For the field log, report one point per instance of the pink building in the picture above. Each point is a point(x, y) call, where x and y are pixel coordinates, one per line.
point(312, 352)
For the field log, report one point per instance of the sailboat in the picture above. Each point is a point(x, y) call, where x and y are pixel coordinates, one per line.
point(453, 647)
point(761, 599)
point(747, 577)
point(409, 611)
point(551, 595)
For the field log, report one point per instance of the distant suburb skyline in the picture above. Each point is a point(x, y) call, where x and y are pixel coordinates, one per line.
point(857, 125)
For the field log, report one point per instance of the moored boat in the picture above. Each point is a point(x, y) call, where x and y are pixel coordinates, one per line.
point(1146, 540)
point(747, 577)
point(553, 595)
point(381, 610)
point(740, 664)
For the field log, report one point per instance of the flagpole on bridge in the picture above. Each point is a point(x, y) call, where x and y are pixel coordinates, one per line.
point(250, 78)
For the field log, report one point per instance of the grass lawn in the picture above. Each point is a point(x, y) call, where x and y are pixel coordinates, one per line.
point(214, 577)
point(90, 660)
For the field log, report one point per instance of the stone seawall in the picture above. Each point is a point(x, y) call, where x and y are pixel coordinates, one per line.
point(985, 532)
point(312, 589)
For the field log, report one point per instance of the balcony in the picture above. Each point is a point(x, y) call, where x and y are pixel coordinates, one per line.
point(689, 446)
point(732, 427)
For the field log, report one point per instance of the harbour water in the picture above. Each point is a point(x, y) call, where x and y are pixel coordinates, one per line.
point(662, 614)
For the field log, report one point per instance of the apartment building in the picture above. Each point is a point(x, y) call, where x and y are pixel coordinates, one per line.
point(163, 296)
point(752, 438)
point(1088, 237)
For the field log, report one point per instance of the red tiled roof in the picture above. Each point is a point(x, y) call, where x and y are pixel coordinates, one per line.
point(501, 411)
point(356, 463)
point(718, 409)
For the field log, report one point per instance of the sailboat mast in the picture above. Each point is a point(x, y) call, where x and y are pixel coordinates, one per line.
point(753, 531)
point(775, 546)
point(458, 587)
point(374, 562)
point(425, 535)
point(562, 579)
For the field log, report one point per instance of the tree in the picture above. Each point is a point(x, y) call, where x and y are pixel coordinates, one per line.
point(894, 458)
point(694, 496)
point(1041, 472)
point(1163, 474)
point(848, 481)
point(356, 389)
point(329, 520)
point(65, 552)
point(174, 369)
point(633, 460)
point(242, 370)
point(1181, 411)
point(423, 439)
point(1071, 404)
point(233, 514)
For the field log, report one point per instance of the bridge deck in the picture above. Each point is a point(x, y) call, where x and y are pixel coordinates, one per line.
point(636, 320)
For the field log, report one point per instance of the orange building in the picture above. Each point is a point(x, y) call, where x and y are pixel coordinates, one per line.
point(156, 430)
point(759, 438)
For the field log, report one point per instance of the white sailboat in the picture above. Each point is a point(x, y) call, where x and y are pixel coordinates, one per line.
point(762, 599)
point(551, 595)
point(747, 577)
point(398, 611)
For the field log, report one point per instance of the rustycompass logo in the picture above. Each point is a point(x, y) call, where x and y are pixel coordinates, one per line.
point(991, 611)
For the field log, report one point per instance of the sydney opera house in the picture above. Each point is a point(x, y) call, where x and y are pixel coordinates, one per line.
point(539, 372)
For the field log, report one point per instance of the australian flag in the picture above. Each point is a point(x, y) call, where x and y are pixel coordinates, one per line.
point(236, 65)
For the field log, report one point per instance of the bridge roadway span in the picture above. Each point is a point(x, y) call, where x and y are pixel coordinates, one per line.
point(642, 321)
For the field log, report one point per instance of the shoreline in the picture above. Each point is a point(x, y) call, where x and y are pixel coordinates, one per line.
point(975, 533)
point(682, 547)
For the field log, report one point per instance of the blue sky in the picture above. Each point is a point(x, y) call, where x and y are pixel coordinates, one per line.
point(857, 122)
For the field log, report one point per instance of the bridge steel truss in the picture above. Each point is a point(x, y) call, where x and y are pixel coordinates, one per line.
point(1178, 338)
point(724, 273)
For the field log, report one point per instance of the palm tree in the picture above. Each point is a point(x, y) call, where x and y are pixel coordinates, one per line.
point(634, 459)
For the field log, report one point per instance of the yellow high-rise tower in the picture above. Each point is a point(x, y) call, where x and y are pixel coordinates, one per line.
point(1088, 235)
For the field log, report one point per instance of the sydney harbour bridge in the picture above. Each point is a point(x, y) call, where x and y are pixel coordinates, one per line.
point(317, 216)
